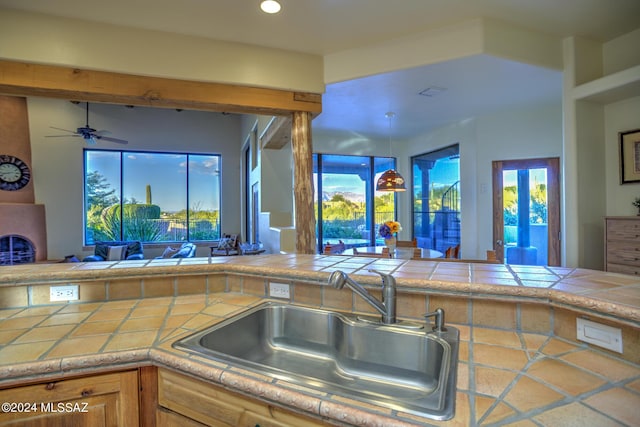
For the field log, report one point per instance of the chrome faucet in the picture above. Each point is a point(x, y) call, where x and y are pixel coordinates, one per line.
point(388, 305)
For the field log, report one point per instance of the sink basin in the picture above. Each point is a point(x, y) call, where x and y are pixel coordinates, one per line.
point(405, 367)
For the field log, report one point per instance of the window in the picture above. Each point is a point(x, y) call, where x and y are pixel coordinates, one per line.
point(152, 197)
point(348, 208)
point(436, 198)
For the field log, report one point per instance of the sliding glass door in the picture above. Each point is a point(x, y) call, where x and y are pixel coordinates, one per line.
point(348, 208)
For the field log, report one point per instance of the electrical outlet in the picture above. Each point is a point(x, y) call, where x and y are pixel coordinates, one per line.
point(279, 290)
point(600, 335)
point(63, 293)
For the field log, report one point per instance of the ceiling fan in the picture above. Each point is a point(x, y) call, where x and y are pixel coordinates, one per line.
point(89, 134)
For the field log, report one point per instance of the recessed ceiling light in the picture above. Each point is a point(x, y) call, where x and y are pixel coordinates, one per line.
point(270, 6)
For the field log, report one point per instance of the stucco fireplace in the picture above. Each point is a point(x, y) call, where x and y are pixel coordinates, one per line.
point(23, 234)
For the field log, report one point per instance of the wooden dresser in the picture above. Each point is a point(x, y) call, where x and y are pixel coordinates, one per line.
point(622, 244)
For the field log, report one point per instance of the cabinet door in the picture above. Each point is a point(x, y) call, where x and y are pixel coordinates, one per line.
point(214, 406)
point(101, 400)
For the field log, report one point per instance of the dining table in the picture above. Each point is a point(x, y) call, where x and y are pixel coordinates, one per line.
point(401, 252)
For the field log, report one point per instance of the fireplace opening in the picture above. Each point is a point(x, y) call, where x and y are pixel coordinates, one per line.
point(16, 250)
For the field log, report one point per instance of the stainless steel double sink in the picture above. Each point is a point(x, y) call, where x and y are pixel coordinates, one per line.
point(405, 367)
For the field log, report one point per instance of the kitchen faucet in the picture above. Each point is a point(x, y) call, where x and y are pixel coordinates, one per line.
point(388, 305)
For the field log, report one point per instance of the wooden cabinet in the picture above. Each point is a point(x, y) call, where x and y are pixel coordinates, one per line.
point(622, 245)
point(185, 401)
point(100, 400)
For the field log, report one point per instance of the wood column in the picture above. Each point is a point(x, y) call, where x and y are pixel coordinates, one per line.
point(305, 221)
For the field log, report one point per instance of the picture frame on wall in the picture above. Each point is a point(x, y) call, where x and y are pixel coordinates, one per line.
point(630, 157)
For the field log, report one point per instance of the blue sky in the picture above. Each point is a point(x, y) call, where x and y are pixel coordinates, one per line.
point(536, 176)
point(167, 175)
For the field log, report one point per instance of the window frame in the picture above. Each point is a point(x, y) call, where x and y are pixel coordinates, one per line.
point(120, 194)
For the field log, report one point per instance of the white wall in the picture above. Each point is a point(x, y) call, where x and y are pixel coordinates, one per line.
point(533, 132)
point(619, 117)
point(58, 162)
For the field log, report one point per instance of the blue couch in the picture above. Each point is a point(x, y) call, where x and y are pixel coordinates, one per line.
point(133, 251)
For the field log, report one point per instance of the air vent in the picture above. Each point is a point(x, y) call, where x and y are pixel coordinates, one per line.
point(432, 91)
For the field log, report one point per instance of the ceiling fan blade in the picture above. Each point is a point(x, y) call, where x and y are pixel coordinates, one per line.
point(65, 130)
point(62, 136)
point(107, 138)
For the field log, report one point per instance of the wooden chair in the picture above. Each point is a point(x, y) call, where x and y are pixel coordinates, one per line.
point(385, 253)
point(491, 259)
point(335, 249)
point(452, 252)
point(228, 245)
point(407, 243)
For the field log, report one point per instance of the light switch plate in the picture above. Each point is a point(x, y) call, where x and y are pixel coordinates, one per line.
point(63, 293)
point(279, 290)
point(601, 335)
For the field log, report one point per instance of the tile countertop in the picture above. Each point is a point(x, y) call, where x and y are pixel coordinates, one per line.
point(504, 377)
point(610, 294)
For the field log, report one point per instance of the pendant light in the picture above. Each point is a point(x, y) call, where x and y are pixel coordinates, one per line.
point(390, 180)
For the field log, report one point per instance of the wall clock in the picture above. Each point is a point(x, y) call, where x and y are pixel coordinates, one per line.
point(14, 173)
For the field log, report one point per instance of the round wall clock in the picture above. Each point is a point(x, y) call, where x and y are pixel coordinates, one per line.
point(14, 173)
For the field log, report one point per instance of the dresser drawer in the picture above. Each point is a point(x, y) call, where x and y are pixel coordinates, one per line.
point(622, 245)
point(624, 269)
point(619, 229)
point(629, 257)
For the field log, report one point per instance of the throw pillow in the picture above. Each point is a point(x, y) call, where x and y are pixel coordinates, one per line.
point(169, 252)
point(116, 253)
point(184, 251)
point(224, 243)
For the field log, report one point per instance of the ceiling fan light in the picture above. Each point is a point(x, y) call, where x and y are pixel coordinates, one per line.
point(390, 180)
point(270, 6)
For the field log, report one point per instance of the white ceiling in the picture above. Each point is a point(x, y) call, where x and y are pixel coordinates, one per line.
point(473, 85)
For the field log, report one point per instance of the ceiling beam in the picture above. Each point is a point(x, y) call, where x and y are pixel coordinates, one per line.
point(25, 79)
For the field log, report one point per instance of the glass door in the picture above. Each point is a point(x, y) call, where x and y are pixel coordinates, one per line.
point(348, 208)
point(526, 211)
point(436, 198)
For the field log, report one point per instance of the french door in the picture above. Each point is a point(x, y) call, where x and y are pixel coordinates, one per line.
point(526, 211)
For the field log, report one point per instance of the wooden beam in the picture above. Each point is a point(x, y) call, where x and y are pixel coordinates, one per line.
point(305, 221)
point(24, 79)
point(278, 133)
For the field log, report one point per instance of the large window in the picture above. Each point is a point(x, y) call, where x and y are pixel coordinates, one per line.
point(347, 206)
point(152, 197)
point(436, 198)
